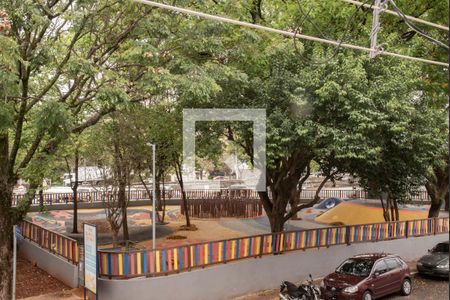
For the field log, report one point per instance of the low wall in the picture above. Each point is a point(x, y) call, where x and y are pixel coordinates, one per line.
point(85, 205)
point(246, 276)
point(55, 265)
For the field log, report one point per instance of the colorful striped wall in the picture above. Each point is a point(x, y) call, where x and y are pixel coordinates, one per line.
point(118, 264)
point(52, 241)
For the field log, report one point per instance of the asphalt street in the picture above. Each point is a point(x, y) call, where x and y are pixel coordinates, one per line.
point(424, 288)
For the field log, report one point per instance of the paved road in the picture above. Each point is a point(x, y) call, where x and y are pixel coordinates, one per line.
point(424, 288)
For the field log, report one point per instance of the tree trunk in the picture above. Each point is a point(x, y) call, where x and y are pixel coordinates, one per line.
point(75, 193)
point(41, 200)
point(446, 201)
point(434, 209)
point(282, 193)
point(121, 172)
point(178, 171)
point(6, 250)
point(185, 205)
point(122, 198)
point(276, 223)
point(437, 186)
point(6, 229)
point(158, 192)
point(163, 214)
point(115, 234)
point(6, 220)
point(396, 213)
point(286, 191)
point(438, 195)
point(385, 209)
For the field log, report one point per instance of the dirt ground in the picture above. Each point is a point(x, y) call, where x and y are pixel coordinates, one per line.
point(32, 281)
point(207, 230)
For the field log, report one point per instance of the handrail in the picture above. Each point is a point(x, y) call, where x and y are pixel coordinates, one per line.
point(52, 241)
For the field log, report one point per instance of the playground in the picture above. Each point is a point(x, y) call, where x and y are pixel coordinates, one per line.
point(213, 239)
point(171, 234)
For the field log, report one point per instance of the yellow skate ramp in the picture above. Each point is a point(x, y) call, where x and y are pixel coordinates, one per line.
point(351, 213)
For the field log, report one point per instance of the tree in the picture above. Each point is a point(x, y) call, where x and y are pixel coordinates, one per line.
point(58, 67)
point(74, 187)
point(322, 105)
point(160, 124)
point(437, 184)
point(113, 156)
point(434, 83)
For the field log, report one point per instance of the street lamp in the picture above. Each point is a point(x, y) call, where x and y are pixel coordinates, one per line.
point(153, 200)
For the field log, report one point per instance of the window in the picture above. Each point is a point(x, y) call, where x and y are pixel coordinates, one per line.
point(356, 267)
point(392, 264)
point(380, 267)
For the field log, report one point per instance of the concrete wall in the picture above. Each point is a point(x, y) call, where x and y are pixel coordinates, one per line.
point(251, 275)
point(55, 265)
point(81, 205)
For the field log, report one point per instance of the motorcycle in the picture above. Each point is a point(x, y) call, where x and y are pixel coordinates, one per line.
point(306, 291)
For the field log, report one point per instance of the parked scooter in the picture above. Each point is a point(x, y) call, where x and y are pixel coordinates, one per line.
point(306, 291)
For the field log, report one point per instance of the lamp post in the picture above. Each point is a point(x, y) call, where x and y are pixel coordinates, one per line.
point(153, 199)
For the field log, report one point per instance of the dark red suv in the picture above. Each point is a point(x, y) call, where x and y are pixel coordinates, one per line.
point(367, 277)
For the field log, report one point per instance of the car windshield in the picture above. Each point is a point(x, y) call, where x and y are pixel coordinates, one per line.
point(356, 267)
point(443, 247)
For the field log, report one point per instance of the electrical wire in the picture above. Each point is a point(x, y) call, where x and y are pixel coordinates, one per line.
point(417, 29)
point(407, 17)
point(341, 41)
point(283, 32)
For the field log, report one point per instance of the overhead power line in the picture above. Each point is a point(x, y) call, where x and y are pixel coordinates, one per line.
point(348, 28)
point(391, 12)
point(283, 32)
point(417, 29)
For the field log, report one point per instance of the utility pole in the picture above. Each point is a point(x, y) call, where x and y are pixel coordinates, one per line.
point(15, 227)
point(379, 6)
point(153, 199)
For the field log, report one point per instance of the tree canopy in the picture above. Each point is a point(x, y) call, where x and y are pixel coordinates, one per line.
point(69, 69)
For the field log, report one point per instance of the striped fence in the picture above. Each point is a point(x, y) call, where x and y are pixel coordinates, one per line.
point(52, 241)
point(129, 264)
point(217, 208)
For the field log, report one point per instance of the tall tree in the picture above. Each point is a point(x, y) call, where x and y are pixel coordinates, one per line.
point(59, 67)
point(321, 103)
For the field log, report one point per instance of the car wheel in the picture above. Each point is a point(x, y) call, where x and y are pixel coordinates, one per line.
point(367, 295)
point(406, 287)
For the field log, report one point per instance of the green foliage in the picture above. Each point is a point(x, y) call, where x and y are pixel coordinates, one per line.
point(8, 85)
point(54, 119)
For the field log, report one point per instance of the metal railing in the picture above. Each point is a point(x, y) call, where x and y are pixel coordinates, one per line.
point(53, 242)
point(141, 194)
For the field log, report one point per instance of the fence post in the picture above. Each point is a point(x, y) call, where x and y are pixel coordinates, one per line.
point(347, 235)
point(406, 229)
point(261, 246)
point(436, 224)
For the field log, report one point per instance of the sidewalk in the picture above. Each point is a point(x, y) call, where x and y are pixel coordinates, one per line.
point(75, 294)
